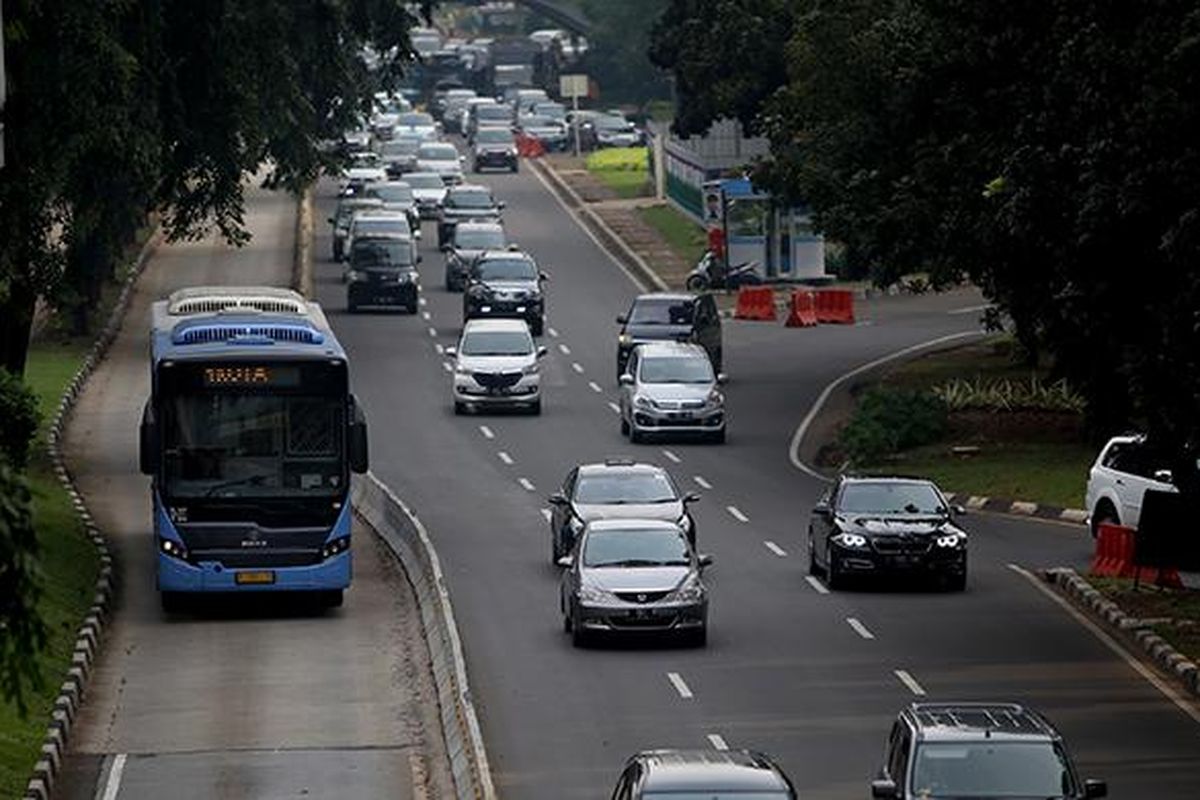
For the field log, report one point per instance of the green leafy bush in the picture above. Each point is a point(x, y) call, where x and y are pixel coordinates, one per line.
point(19, 419)
point(889, 420)
point(1009, 395)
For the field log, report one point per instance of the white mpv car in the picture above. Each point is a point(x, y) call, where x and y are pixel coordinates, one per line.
point(496, 365)
point(1118, 481)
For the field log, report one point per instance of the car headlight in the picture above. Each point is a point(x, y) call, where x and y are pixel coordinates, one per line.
point(594, 595)
point(512, 152)
point(356, 276)
point(643, 402)
point(459, 369)
point(851, 540)
point(532, 369)
point(715, 398)
point(692, 591)
point(624, 338)
point(951, 540)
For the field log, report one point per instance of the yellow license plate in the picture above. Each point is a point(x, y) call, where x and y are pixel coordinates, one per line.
point(254, 577)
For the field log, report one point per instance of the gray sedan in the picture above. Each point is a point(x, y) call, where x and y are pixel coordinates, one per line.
point(634, 576)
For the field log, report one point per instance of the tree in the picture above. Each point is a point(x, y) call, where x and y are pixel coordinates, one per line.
point(616, 56)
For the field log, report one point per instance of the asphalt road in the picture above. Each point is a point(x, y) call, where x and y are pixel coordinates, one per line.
point(246, 700)
point(814, 679)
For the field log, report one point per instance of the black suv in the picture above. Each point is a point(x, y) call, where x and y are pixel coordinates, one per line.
point(466, 202)
point(381, 273)
point(978, 750)
point(506, 284)
point(672, 317)
point(877, 526)
point(702, 774)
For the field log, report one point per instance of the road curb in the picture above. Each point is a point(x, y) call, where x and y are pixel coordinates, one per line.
point(395, 523)
point(90, 636)
point(1021, 508)
point(606, 236)
point(1135, 632)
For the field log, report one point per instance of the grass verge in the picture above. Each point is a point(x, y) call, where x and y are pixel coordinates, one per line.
point(1176, 612)
point(622, 169)
point(684, 236)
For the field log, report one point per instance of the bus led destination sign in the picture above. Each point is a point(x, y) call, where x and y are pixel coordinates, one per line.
point(251, 375)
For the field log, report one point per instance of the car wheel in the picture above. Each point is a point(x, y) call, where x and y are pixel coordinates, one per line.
point(411, 307)
point(834, 579)
point(579, 637)
point(624, 426)
point(537, 326)
point(719, 437)
point(1104, 514)
point(351, 306)
point(516, 167)
point(699, 638)
point(813, 568)
point(567, 626)
point(172, 602)
point(957, 583)
point(459, 408)
point(536, 408)
point(555, 551)
point(696, 283)
point(635, 436)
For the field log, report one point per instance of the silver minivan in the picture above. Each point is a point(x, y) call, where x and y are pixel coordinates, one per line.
point(671, 388)
point(496, 366)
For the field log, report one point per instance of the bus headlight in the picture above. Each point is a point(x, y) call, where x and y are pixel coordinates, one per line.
point(339, 545)
point(173, 548)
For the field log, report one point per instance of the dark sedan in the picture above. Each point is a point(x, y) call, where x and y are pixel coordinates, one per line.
point(886, 526)
point(634, 576)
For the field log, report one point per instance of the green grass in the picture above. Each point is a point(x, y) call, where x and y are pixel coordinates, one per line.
point(683, 235)
point(989, 360)
point(622, 169)
point(68, 567)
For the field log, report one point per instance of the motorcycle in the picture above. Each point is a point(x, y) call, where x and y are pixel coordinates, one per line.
point(711, 272)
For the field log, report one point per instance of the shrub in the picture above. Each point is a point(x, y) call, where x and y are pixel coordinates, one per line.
point(1009, 395)
point(22, 628)
point(19, 419)
point(633, 159)
point(889, 420)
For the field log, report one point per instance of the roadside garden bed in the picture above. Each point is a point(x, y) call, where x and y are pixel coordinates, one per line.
point(623, 169)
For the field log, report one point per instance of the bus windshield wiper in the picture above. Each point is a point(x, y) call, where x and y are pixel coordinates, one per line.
point(253, 480)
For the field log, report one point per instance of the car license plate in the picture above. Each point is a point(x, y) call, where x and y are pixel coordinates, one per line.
point(681, 415)
point(260, 577)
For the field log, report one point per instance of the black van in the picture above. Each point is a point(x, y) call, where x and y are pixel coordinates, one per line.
point(670, 316)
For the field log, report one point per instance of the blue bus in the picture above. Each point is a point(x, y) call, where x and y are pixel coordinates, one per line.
point(250, 435)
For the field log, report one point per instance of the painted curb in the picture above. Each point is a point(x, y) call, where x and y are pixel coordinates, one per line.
point(90, 636)
point(1136, 632)
point(395, 523)
point(1021, 508)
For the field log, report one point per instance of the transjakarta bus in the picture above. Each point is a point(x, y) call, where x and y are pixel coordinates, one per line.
point(250, 435)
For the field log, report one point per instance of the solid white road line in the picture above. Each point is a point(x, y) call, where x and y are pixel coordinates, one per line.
point(616, 409)
point(526, 484)
point(487, 432)
point(1137, 666)
point(433, 332)
point(112, 784)
point(505, 457)
point(910, 682)
point(816, 584)
point(776, 549)
point(552, 332)
point(703, 484)
point(566, 351)
point(674, 459)
point(546, 514)
point(595, 387)
point(737, 514)
point(679, 685)
point(798, 436)
point(859, 628)
point(425, 315)
point(575, 365)
point(717, 741)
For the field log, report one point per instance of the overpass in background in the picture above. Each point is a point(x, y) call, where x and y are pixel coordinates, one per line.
point(560, 13)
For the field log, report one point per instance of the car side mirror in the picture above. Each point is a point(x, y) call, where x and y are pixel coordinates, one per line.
point(148, 441)
point(691, 497)
point(722, 379)
point(1094, 788)
point(451, 351)
point(541, 352)
point(958, 511)
point(557, 499)
point(565, 562)
point(626, 380)
point(543, 277)
point(622, 319)
point(884, 789)
point(704, 560)
point(1164, 476)
point(822, 509)
point(332, 221)
point(501, 205)
point(420, 259)
point(359, 460)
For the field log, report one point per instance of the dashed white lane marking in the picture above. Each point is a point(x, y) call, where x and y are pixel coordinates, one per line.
point(595, 387)
point(737, 514)
point(859, 628)
point(440, 348)
point(816, 584)
point(616, 409)
point(717, 741)
point(910, 682)
point(566, 351)
point(422, 301)
point(546, 514)
point(681, 687)
point(433, 332)
point(487, 432)
point(552, 332)
point(703, 484)
point(425, 315)
point(505, 457)
point(526, 484)
point(674, 459)
point(113, 783)
point(575, 365)
point(447, 366)
point(776, 549)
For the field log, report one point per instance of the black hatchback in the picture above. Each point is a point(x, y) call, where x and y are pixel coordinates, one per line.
point(707, 774)
point(666, 316)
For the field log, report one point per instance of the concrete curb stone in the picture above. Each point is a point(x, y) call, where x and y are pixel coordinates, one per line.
point(1023, 508)
point(1133, 631)
point(89, 637)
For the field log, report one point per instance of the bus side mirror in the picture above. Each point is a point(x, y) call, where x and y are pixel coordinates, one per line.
point(148, 441)
point(358, 439)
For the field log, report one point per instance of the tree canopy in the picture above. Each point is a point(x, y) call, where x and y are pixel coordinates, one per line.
point(1049, 150)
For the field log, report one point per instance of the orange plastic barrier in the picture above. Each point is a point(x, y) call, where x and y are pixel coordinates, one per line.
point(802, 310)
point(529, 146)
point(835, 305)
point(1115, 557)
point(755, 302)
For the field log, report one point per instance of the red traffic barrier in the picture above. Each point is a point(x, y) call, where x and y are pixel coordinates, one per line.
point(755, 302)
point(529, 146)
point(802, 310)
point(835, 305)
point(1116, 550)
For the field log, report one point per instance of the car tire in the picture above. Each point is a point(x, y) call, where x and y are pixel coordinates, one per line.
point(834, 580)
point(1104, 513)
point(351, 307)
point(624, 426)
point(459, 408)
point(172, 602)
point(567, 626)
point(957, 583)
point(537, 326)
point(579, 636)
point(718, 437)
point(535, 409)
point(813, 568)
point(412, 307)
point(516, 167)
point(635, 436)
point(696, 283)
point(555, 551)
point(699, 637)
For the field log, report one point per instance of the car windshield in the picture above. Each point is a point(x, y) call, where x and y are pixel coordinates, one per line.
point(437, 152)
point(415, 119)
point(991, 770)
point(381, 253)
point(494, 136)
point(719, 795)
point(472, 199)
point(619, 488)
point(532, 121)
point(366, 227)
point(551, 110)
point(424, 181)
point(890, 498)
point(395, 193)
point(659, 311)
point(627, 547)
point(613, 123)
point(478, 240)
point(506, 269)
point(496, 343)
point(496, 112)
point(676, 370)
point(399, 147)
